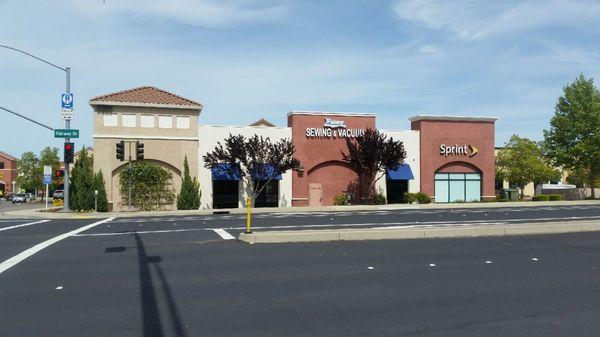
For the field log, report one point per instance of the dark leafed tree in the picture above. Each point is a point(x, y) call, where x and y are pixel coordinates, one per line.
point(573, 141)
point(369, 156)
point(253, 157)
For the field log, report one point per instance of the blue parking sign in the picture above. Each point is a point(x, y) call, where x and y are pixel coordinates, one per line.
point(66, 101)
point(47, 179)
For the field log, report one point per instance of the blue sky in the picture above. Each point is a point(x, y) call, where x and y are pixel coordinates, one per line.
point(247, 59)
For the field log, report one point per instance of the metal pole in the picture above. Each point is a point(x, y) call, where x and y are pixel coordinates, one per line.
point(47, 197)
point(96, 201)
point(248, 216)
point(67, 126)
point(129, 170)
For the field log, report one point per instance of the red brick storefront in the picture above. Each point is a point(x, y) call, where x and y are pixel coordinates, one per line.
point(319, 139)
point(8, 172)
point(455, 148)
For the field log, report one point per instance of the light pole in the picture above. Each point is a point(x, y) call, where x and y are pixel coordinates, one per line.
point(67, 71)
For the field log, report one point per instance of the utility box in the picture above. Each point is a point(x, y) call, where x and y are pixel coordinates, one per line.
point(510, 194)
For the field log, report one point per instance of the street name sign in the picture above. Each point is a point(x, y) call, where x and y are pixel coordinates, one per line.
point(66, 133)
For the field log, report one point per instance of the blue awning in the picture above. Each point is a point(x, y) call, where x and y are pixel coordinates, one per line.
point(403, 172)
point(223, 172)
point(270, 172)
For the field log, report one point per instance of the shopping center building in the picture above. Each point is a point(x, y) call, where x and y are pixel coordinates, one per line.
point(449, 158)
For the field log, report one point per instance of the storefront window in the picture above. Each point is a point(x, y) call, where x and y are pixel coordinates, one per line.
point(457, 187)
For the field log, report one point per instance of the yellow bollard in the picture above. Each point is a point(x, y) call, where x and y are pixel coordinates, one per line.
point(248, 216)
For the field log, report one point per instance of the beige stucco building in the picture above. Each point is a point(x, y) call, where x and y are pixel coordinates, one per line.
point(165, 123)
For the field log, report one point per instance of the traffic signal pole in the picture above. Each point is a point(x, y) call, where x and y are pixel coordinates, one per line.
point(68, 140)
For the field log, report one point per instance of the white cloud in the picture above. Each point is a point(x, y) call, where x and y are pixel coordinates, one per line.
point(429, 49)
point(478, 19)
point(208, 13)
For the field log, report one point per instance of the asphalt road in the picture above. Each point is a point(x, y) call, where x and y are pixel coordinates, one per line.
point(179, 277)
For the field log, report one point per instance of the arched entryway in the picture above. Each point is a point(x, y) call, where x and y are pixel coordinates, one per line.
point(329, 179)
point(458, 182)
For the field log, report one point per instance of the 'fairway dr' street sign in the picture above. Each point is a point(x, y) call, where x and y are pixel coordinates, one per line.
point(66, 133)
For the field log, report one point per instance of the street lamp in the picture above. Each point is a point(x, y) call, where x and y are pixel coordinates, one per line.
point(67, 71)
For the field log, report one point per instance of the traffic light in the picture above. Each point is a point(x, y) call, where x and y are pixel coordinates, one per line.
point(59, 173)
point(139, 151)
point(121, 150)
point(69, 152)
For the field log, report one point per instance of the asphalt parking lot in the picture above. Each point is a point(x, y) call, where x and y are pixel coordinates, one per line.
point(180, 276)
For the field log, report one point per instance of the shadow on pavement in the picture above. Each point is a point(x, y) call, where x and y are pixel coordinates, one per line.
point(153, 326)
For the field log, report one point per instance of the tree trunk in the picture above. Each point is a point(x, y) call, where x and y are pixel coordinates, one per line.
point(522, 188)
point(592, 185)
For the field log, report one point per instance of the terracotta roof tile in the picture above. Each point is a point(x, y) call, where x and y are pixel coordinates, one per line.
point(148, 95)
point(263, 122)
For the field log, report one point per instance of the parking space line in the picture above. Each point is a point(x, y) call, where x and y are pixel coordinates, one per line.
point(23, 225)
point(4, 266)
point(224, 234)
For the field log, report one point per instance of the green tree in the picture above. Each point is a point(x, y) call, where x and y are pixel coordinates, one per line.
point(29, 173)
point(521, 162)
point(253, 157)
point(573, 140)
point(369, 156)
point(150, 186)
point(82, 183)
point(49, 156)
point(189, 196)
point(100, 186)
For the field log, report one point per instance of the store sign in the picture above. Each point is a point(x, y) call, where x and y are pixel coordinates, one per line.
point(458, 150)
point(334, 129)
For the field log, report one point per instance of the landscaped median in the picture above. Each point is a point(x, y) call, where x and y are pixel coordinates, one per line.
point(419, 232)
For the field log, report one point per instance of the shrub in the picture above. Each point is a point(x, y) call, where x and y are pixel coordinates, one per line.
point(340, 200)
point(422, 198)
point(543, 197)
point(189, 196)
point(379, 199)
point(410, 198)
point(555, 197)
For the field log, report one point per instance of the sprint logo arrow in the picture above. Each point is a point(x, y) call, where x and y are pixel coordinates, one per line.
point(474, 150)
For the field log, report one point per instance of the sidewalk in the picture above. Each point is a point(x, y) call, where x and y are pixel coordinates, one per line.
point(397, 233)
point(38, 213)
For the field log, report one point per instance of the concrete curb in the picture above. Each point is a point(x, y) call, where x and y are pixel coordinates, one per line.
point(352, 208)
point(418, 233)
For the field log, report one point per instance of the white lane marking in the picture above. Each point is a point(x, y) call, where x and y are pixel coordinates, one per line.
point(224, 234)
point(488, 262)
point(23, 225)
point(432, 264)
point(59, 288)
point(144, 232)
point(370, 268)
point(534, 259)
point(4, 266)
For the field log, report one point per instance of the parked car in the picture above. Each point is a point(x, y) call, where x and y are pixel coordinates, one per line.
point(58, 194)
point(20, 198)
point(8, 196)
point(30, 196)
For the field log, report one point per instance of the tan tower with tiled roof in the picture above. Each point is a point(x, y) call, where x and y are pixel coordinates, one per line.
point(166, 123)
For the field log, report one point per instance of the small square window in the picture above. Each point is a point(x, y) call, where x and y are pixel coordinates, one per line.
point(128, 121)
point(110, 119)
point(183, 122)
point(147, 121)
point(165, 122)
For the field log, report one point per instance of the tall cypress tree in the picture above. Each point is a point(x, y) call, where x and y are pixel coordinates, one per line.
point(101, 188)
point(189, 196)
point(82, 183)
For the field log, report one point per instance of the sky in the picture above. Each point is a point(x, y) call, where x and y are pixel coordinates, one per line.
point(250, 59)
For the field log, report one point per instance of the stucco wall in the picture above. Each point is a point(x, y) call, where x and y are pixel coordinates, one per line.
point(210, 135)
point(456, 132)
point(322, 156)
point(166, 147)
point(411, 141)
